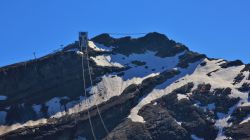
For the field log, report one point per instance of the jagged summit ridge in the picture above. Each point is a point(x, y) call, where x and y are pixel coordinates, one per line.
point(152, 41)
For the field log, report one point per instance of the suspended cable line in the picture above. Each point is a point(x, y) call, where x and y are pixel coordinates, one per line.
point(85, 93)
point(91, 84)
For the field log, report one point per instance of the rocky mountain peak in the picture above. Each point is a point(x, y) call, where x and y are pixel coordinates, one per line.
point(154, 41)
point(149, 87)
point(155, 36)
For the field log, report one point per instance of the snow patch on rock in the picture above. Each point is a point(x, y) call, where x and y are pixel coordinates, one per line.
point(108, 87)
point(79, 53)
point(247, 119)
point(152, 62)
point(5, 129)
point(105, 60)
point(161, 90)
point(223, 78)
point(99, 47)
point(194, 137)
point(181, 96)
point(245, 104)
point(54, 106)
point(3, 97)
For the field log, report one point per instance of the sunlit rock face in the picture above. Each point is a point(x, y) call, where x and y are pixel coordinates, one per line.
point(149, 88)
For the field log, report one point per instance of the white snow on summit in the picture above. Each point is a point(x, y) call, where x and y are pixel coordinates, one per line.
point(99, 47)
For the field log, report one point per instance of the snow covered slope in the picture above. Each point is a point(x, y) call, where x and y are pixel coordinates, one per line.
point(221, 78)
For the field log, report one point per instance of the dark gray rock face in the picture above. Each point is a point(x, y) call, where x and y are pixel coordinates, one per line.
point(114, 111)
point(159, 125)
point(129, 130)
point(232, 63)
point(153, 42)
point(37, 81)
point(161, 120)
point(239, 131)
point(164, 122)
point(30, 78)
point(194, 119)
point(189, 57)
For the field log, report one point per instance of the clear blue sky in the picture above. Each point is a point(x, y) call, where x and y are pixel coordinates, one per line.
point(218, 28)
